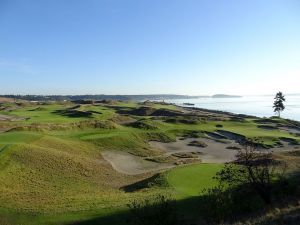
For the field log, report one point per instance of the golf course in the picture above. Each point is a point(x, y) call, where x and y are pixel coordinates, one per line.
point(70, 163)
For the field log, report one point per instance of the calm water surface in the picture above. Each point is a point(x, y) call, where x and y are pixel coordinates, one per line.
point(252, 105)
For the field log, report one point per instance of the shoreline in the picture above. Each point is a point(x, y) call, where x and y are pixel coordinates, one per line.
point(224, 112)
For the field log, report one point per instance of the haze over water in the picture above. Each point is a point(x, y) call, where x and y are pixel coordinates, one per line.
point(251, 105)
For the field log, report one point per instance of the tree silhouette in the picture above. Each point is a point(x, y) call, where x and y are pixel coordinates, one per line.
point(278, 103)
point(253, 167)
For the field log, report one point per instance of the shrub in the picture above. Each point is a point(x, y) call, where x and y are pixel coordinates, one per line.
point(144, 124)
point(159, 210)
point(219, 203)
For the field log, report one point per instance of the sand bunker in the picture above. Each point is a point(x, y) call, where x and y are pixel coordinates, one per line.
point(3, 130)
point(293, 130)
point(10, 118)
point(126, 163)
point(215, 152)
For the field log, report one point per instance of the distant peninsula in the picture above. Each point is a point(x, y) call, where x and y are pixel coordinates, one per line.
point(225, 96)
point(150, 97)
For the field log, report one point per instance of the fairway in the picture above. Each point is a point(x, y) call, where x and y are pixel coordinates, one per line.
point(193, 179)
point(149, 112)
point(69, 162)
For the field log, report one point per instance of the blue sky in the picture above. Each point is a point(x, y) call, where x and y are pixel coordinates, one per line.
point(149, 46)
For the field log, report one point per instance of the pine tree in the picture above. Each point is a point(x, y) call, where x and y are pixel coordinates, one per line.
point(278, 103)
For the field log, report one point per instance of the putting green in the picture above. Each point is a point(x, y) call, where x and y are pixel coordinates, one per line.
point(193, 179)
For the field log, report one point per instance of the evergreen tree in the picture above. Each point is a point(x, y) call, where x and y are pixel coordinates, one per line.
point(278, 103)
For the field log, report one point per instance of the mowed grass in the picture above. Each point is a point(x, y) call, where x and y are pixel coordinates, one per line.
point(59, 176)
point(189, 181)
point(250, 130)
point(51, 113)
point(48, 114)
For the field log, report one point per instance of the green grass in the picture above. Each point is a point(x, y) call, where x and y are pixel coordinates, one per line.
point(191, 180)
point(49, 114)
point(18, 137)
point(58, 176)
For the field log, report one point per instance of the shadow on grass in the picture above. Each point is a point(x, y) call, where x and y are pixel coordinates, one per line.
point(188, 209)
point(196, 210)
point(113, 219)
point(73, 113)
point(155, 180)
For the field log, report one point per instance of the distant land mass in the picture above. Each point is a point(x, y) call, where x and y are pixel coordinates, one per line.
point(225, 96)
point(100, 97)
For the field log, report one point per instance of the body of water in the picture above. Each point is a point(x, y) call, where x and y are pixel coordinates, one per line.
point(251, 105)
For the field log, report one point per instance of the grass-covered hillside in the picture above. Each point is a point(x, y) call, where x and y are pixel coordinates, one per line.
point(66, 163)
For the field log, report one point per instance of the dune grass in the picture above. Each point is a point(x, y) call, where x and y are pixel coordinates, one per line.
point(18, 137)
point(59, 176)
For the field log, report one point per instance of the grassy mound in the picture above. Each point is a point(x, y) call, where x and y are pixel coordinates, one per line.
point(144, 124)
point(151, 111)
point(157, 180)
point(142, 111)
point(184, 120)
point(200, 144)
point(51, 164)
point(52, 175)
point(69, 126)
point(73, 113)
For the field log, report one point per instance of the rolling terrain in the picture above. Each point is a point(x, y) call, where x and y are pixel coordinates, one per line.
point(69, 163)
